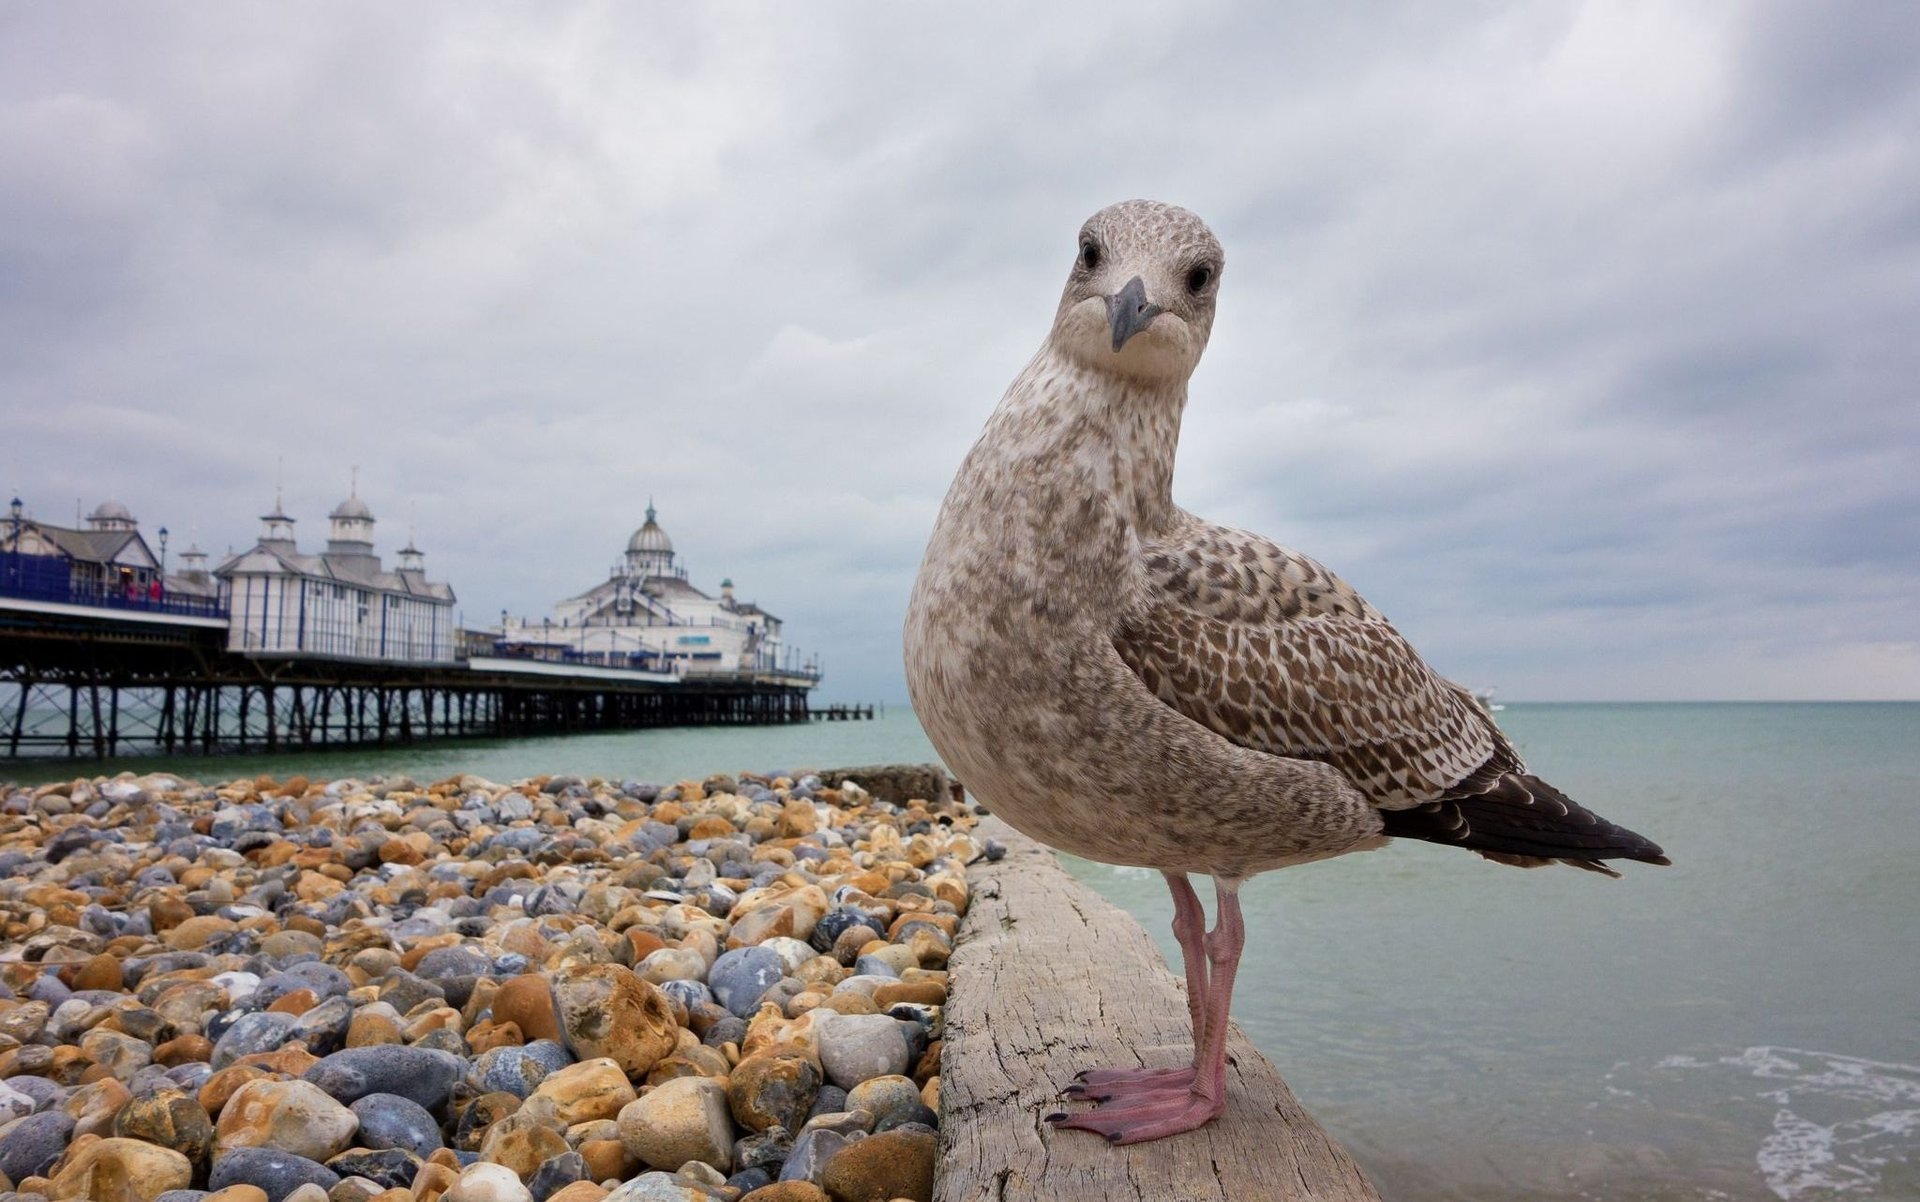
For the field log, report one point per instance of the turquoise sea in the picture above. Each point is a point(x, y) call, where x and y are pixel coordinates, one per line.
point(1742, 1025)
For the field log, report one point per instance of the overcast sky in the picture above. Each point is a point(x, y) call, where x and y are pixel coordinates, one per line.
point(1582, 338)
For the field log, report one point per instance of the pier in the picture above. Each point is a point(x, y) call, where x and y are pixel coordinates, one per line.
point(842, 713)
point(85, 680)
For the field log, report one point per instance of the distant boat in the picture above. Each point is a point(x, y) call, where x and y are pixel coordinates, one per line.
point(1487, 703)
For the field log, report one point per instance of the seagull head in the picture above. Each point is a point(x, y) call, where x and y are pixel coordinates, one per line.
point(1140, 299)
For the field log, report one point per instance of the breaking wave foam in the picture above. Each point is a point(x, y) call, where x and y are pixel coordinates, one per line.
point(1821, 1143)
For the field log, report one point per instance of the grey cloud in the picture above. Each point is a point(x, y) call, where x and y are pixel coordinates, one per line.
point(1580, 339)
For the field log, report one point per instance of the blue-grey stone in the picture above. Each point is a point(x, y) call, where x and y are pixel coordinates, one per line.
point(134, 969)
point(739, 977)
point(523, 839)
point(421, 1074)
point(666, 1187)
point(274, 986)
point(98, 920)
point(835, 923)
point(552, 899)
point(556, 1173)
point(404, 990)
point(324, 1027)
point(391, 1121)
point(860, 1047)
point(190, 1076)
point(916, 1112)
point(44, 1093)
point(324, 979)
point(873, 966)
point(278, 1173)
point(456, 961)
point(688, 993)
point(830, 1100)
point(510, 964)
point(259, 1032)
point(724, 1031)
point(766, 1150)
point(386, 1167)
point(715, 898)
point(31, 1145)
point(49, 989)
point(517, 1070)
point(810, 1155)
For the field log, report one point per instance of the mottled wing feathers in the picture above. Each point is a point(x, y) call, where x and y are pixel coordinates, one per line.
point(1268, 648)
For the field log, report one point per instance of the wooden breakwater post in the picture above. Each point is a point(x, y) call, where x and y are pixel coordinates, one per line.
point(1048, 978)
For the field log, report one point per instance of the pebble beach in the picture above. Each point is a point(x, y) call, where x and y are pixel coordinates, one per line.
point(555, 989)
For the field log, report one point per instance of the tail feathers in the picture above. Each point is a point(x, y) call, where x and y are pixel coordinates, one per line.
point(1526, 822)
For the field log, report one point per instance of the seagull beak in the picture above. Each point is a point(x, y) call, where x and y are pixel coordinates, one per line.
point(1129, 312)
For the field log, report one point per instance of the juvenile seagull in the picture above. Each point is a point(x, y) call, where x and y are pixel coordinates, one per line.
point(1122, 680)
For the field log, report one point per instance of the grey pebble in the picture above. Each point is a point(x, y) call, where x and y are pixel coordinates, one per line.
point(739, 978)
point(391, 1121)
point(420, 1074)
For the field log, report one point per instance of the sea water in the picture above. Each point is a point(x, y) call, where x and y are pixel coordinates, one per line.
point(1742, 1025)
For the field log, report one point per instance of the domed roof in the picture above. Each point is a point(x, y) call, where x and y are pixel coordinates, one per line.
point(110, 511)
point(352, 507)
point(650, 537)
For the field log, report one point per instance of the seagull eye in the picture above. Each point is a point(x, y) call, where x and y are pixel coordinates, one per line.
point(1089, 254)
point(1199, 278)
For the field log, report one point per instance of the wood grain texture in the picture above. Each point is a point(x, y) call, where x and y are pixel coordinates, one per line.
point(1047, 979)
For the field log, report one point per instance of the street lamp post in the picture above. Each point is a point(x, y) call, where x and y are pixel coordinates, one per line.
point(162, 595)
point(13, 511)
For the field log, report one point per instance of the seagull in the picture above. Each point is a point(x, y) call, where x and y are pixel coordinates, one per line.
point(1130, 683)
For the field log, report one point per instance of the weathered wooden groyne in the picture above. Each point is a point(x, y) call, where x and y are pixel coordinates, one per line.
point(1048, 978)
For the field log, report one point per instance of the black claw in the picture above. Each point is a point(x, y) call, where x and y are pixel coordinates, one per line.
point(1113, 1137)
point(1058, 1116)
point(1082, 1074)
point(1076, 1092)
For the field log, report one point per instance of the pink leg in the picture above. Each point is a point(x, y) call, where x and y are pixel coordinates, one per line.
point(1161, 1109)
point(1190, 928)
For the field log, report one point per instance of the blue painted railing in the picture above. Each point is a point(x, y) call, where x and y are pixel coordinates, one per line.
point(45, 578)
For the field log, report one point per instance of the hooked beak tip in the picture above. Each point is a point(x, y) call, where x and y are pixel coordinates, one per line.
point(1129, 312)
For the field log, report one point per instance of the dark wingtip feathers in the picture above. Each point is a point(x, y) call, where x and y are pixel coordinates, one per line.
point(1524, 821)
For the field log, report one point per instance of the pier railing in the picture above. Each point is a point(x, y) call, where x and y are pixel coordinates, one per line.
point(27, 586)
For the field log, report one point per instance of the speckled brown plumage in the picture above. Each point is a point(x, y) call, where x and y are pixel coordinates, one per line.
point(1127, 682)
point(1131, 683)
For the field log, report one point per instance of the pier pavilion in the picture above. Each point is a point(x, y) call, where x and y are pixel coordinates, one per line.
point(108, 558)
point(341, 602)
point(648, 613)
